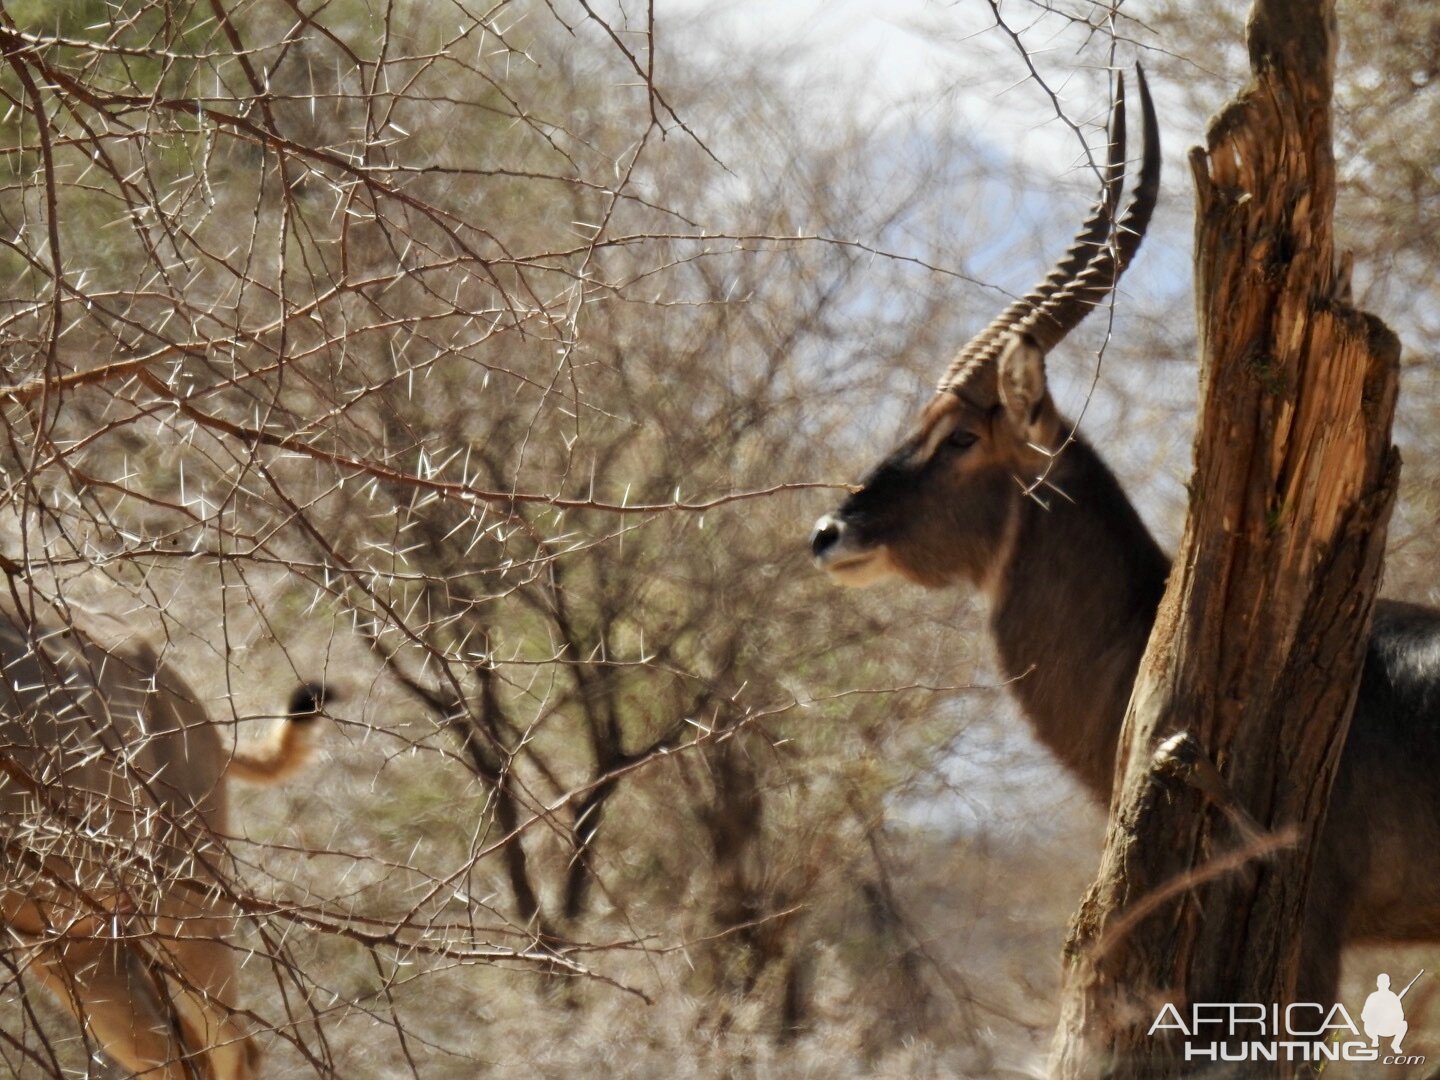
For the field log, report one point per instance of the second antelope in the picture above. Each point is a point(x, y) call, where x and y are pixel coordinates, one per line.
point(114, 814)
point(1073, 584)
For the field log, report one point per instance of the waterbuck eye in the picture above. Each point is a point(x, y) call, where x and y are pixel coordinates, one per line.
point(961, 439)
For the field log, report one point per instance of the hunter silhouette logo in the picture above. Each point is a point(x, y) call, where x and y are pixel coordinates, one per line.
point(1219, 1031)
point(1383, 1015)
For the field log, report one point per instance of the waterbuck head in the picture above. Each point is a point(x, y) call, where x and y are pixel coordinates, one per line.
point(943, 506)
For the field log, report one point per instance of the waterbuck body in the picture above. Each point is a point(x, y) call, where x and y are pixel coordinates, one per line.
point(996, 491)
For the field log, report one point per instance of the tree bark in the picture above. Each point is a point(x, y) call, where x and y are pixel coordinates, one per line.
point(1244, 695)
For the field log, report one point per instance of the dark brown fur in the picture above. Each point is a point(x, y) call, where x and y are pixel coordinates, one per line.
point(994, 491)
point(1074, 586)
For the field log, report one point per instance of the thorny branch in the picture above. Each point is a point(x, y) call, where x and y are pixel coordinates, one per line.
point(416, 357)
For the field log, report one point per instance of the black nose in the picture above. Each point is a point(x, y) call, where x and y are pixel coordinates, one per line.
point(827, 531)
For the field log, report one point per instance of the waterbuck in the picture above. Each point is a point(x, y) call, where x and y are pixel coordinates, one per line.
point(113, 820)
point(1073, 579)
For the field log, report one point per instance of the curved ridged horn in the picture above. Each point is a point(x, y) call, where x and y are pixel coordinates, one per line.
point(1061, 312)
point(982, 349)
point(1074, 277)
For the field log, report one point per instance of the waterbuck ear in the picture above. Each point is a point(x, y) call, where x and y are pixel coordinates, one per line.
point(1021, 376)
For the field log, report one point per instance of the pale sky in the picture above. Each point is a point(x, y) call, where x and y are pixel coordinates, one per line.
point(908, 56)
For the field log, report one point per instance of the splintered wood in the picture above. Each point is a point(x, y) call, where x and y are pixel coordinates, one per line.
point(1256, 653)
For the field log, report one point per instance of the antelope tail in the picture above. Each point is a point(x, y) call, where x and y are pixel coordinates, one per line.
point(286, 750)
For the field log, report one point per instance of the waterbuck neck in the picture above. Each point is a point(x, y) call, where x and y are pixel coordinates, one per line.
point(1072, 609)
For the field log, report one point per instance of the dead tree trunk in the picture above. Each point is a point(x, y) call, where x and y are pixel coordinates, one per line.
point(1255, 657)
